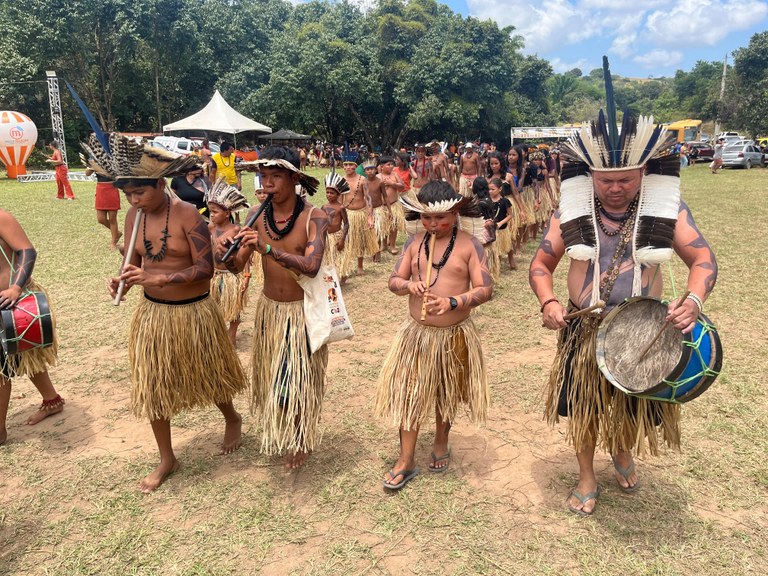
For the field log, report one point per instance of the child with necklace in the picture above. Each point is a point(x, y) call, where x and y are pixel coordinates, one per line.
point(338, 225)
point(287, 379)
point(361, 240)
point(178, 348)
point(435, 364)
point(503, 216)
point(229, 291)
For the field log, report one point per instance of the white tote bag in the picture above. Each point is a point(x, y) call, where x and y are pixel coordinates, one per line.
point(325, 315)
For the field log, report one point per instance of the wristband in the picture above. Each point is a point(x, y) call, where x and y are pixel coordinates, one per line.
point(267, 249)
point(453, 302)
point(548, 302)
point(696, 300)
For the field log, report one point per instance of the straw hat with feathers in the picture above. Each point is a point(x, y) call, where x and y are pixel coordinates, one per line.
point(308, 183)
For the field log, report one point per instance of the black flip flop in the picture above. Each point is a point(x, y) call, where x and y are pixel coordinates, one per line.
point(407, 475)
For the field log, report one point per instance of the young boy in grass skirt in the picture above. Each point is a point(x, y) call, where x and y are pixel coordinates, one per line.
point(288, 381)
point(435, 365)
point(620, 217)
point(393, 188)
point(229, 291)
point(16, 266)
point(338, 225)
point(382, 214)
point(361, 240)
point(178, 348)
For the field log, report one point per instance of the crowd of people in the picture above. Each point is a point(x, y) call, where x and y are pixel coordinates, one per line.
point(461, 214)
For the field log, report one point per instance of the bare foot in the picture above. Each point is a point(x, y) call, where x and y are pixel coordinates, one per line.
point(232, 436)
point(296, 460)
point(158, 476)
point(377, 257)
point(3, 436)
point(360, 271)
point(47, 408)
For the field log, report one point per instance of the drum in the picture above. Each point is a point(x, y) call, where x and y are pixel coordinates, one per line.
point(677, 368)
point(27, 325)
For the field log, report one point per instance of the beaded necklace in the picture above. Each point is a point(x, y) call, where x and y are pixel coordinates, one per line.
point(628, 215)
point(443, 260)
point(357, 188)
point(164, 242)
point(270, 225)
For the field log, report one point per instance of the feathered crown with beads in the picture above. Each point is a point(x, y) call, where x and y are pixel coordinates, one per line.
point(128, 159)
point(600, 146)
point(436, 197)
point(226, 196)
point(337, 182)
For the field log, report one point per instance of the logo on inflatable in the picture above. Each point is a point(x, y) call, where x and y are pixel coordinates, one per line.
point(17, 133)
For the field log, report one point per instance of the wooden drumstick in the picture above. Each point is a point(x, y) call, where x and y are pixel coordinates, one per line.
point(429, 275)
point(661, 331)
point(127, 256)
point(585, 311)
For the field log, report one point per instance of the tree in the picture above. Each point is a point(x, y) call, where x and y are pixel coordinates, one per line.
point(750, 66)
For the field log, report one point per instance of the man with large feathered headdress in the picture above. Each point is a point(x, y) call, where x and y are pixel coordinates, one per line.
point(620, 217)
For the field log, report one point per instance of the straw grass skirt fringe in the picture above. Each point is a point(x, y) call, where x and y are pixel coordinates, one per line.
point(257, 272)
point(287, 382)
point(527, 196)
point(545, 208)
point(398, 218)
point(382, 224)
point(36, 360)
point(429, 367)
point(180, 358)
point(333, 257)
point(227, 291)
point(598, 414)
point(494, 262)
point(361, 240)
point(504, 240)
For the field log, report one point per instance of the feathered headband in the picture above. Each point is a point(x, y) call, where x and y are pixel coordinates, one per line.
point(129, 159)
point(337, 182)
point(438, 197)
point(599, 147)
point(308, 183)
point(370, 163)
point(226, 196)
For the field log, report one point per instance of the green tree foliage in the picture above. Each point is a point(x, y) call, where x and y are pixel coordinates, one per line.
point(750, 68)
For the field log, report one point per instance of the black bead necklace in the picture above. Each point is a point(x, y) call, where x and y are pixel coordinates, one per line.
point(357, 187)
point(164, 242)
point(439, 266)
point(270, 226)
point(622, 220)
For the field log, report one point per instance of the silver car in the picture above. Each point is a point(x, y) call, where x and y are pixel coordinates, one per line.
point(744, 155)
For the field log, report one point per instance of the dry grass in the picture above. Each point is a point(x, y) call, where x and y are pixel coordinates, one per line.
point(69, 502)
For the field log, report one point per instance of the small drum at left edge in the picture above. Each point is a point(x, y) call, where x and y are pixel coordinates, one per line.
point(27, 325)
point(678, 367)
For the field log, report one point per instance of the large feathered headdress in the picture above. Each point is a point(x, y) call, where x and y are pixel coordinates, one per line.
point(337, 182)
point(128, 159)
point(436, 197)
point(602, 146)
point(226, 196)
point(308, 183)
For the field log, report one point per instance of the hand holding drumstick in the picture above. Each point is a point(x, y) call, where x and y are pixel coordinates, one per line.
point(644, 353)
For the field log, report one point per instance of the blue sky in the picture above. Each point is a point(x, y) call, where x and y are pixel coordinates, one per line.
point(641, 39)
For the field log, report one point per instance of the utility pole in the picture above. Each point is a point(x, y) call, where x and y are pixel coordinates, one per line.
point(722, 93)
point(57, 120)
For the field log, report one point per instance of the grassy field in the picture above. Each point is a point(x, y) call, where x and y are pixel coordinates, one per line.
point(69, 498)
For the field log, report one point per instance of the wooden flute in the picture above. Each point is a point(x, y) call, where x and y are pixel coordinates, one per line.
point(127, 256)
point(429, 276)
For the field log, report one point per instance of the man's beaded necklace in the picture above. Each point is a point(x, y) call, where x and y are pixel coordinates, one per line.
point(164, 242)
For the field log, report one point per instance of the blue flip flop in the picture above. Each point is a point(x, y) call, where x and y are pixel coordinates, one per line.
point(407, 475)
point(432, 467)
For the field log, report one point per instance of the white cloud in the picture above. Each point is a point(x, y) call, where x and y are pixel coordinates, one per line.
point(624, 46)
point(560, 66)
point(707, 22)
point(659, 59)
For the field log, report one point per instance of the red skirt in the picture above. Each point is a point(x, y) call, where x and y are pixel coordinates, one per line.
point(107, 196)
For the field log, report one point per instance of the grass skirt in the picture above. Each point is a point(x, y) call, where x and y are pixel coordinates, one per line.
point(494, 262)
point(257, 272)
point(361, 240)
point(528, 198)
point(504, 240)
point(227, 292)
point(287, 380)
point(331, 255)
point(598, 413)
point(429, 367)
point(180, 358)
point(37, 360)
point(398, 218)
point(382, 224)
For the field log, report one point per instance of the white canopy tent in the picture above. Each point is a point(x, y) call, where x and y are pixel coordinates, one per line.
point(218, 116)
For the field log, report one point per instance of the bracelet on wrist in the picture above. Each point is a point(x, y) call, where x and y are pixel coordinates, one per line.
point(267, 249)
point(547, 302)
point(696, 300)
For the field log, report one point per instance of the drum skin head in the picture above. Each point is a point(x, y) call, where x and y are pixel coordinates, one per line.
point(27, 325)
point(677, 368)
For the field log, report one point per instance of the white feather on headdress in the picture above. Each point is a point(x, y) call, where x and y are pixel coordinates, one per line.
point(337, 182)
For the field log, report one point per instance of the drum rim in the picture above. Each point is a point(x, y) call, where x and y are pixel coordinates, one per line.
point(44, 315)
